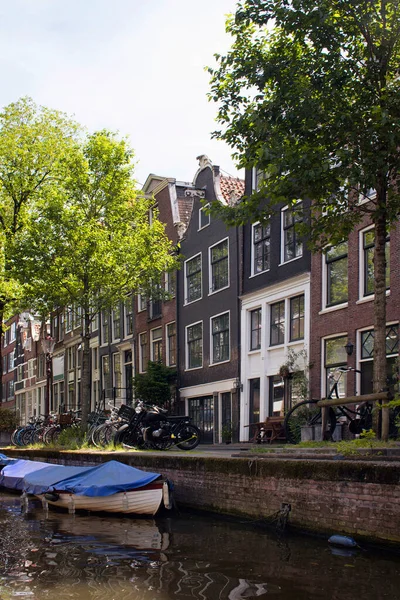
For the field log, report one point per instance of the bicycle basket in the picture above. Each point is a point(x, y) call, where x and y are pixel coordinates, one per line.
point(65, 419)
point(126, 412)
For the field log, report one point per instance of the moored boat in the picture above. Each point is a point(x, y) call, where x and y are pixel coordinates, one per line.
point(110, 487)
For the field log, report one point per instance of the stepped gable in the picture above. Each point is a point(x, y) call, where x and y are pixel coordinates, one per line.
point(232, 188)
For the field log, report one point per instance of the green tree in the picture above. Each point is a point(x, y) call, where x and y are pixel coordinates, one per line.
point(309, 94)
point(156, 385)
point(92, 244)
point(34, 142)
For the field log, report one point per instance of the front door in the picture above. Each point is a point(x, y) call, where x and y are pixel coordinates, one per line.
point(202, 412)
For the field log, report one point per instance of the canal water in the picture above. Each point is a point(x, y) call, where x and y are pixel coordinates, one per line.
point(59, 556)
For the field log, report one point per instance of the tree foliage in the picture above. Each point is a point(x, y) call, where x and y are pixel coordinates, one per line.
point(309, 94)
point(91, 243)
point(155, 386)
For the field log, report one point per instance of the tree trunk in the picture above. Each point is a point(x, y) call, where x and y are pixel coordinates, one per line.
point(379, 372)
point(86, 374)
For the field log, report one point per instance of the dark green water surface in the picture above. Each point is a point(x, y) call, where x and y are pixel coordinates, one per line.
point(59, 556)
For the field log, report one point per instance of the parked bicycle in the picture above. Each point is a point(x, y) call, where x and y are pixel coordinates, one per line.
point(309, 414)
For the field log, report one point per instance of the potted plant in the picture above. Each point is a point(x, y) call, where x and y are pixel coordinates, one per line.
point(226, 433)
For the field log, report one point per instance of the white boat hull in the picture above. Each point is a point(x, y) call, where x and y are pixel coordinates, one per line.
point(142, 501)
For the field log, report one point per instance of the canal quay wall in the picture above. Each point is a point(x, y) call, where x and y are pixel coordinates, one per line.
point(355, 497)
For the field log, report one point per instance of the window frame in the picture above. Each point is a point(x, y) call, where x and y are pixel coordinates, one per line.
point(285, 228)
point(212, 334)
point(273, 325)
point(201, 212)
point(327, 285)
point(156, 343)
point(300, 318)
point(254, 272)
point(187, 349)
point(257, 329)
point(363, 276)
point(200, 270)
point(116, 323)
point(219, 261)
point(168, 339)
point(143, 351)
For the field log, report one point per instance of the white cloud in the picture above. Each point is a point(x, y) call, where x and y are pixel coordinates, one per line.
point(129, 65)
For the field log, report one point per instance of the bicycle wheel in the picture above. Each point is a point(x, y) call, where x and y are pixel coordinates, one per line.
point(189, 437)
point(306, 414)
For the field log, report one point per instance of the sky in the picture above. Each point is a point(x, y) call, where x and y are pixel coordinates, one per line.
point(132, 66)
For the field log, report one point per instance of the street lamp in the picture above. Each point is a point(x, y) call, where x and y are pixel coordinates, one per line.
point(48, 344)
point(349, 347)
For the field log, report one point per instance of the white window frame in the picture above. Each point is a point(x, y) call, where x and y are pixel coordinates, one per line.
point(154, 341)
point(186, 301)
point(104, 343)
point(324, 281)
point(116, 335)
point(201, 211)
point(252, 270)
point(13, 330)
point(167, 347)
point(187, 368)
point(361, 266)
point(140, 336)
point(210, 274)
point(68, 319)
point(168, 277)
point(128, 315)
point(283, 261)
point(220, 362)
point(142, 300)
point(286, 336)
point(31, 368)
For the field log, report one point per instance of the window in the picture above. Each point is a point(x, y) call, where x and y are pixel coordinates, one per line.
point(10, 389)
point(193, 278)
point(297, 318)
point(204, 218)
point(219, 266)
point(277, 323)
point(194, 344)
point(170, 283)
point(71, 358)
point(292, 245)
point(336, 262)
point(367, 355)
point(142, 302)
point(255, 329)
point(156, 301)
point(12, 332)
point(171, 344)
point(392, 341)
point(220, 338)
point(368, 244)
point(68, 319)
point(104, 327)
point(261, 248)
point(156, 344)
point(106, 375)
point(116, 321)
point(276, 396)
point(117, 374)
point(77, 316)
point(335, 356)
point(94, 326)
point(11, 360)
point(20, 372)
point(31, 367)
point(143, 352)
point(128, 311)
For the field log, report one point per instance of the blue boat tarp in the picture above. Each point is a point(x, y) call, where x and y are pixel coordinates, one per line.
point(5, 460)
point(106, 479)
point(12, 476)
point(39, 482)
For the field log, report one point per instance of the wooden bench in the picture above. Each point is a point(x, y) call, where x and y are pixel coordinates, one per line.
point(268, 431)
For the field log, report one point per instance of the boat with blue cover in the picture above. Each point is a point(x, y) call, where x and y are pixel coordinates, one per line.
point(109, 487)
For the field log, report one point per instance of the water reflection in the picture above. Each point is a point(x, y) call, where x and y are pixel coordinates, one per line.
point(183, 557)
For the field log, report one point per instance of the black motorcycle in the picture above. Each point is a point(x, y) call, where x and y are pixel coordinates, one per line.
point(152, 427)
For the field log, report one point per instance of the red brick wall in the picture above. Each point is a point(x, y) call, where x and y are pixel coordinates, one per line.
point(354, 317)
